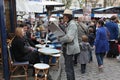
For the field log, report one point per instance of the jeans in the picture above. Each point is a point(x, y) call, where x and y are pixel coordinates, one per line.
point(100, 57)
point(69, 66)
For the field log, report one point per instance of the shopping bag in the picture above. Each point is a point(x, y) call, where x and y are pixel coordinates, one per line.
point(118, 57)
point(119, 48)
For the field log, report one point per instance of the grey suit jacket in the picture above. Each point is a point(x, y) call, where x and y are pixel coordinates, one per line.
point(71, 38)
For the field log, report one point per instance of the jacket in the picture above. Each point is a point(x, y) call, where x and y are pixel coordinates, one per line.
point(101, 40)
point(71, 38)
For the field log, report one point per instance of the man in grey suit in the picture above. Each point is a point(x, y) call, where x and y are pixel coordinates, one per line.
point(70, 43)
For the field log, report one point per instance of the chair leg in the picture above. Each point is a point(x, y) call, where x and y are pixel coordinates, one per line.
point(36, 73)
point(26, 72)
point(14, 69)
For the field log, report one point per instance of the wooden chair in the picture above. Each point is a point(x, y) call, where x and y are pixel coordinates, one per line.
point(57, 56)
point(43, 69)
point(14, 66)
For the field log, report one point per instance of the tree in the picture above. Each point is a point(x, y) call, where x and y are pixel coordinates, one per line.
point(67, 3)
point(94, 2)
point(81, 2)
point(105, 3)
point(111, 2)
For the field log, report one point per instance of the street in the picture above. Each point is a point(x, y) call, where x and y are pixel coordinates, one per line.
point(111, 70)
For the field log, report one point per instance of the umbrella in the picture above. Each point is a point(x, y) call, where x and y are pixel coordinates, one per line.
point(49, 5)
point(46, 3)
point(24, 6)
point(36, 6)
point(21, 6)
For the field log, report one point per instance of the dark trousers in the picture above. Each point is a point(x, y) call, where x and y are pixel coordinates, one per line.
point(75, 58)
point(32, 57)
point(83, 68)
point(69, 66)
point(113, 52)
point(90, 56)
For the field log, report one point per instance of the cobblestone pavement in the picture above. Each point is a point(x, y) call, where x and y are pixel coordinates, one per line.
point(54, 73)
point(111, 70)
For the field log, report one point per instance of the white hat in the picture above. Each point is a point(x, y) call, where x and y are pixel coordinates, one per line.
point(67, 11)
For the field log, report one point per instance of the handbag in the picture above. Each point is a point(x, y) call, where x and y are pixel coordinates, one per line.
point(119, 48)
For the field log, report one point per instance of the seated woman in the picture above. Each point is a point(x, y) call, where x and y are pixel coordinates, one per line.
point(21, 49)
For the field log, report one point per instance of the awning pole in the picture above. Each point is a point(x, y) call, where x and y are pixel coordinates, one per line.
point(3, 39)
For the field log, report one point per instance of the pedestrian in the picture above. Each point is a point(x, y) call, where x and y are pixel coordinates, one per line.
point(112, 26)
point(101, 43)
point(82, 30)
point(83, 57)
point(70, 43)
point(91, 38)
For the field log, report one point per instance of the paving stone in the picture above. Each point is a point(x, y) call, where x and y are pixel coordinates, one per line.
point(111, 70)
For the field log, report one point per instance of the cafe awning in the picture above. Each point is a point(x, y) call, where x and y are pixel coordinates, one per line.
point(103, 15)
point(35, 6)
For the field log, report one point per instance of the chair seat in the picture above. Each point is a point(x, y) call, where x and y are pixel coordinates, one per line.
point(41, 66)
point(57, 60)
point(20, 63)
point(56, 55)
point(41, 71)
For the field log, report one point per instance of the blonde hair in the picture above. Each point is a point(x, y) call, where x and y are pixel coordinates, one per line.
point(84, 38)
point(19, 32)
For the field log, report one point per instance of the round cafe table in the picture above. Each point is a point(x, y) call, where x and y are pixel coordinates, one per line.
point(52, 53)
point(49, 51)
point(44, 46)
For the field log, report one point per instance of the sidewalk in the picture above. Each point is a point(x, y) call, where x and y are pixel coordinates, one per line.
point(111, 70)
point(54, 72)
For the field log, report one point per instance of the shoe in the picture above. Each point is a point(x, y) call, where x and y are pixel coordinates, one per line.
point(101, 66)
point(82, 72)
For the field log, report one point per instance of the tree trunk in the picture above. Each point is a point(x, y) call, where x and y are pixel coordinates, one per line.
point(105, 3)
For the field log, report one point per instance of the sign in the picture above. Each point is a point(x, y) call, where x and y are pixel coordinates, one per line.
point(87, 12)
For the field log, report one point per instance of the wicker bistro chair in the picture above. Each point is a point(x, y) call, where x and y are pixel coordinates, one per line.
point(43, 69)
point(14, 66)
point(57, 56)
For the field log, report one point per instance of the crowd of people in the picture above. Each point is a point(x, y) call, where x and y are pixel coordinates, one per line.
point(77, 44)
